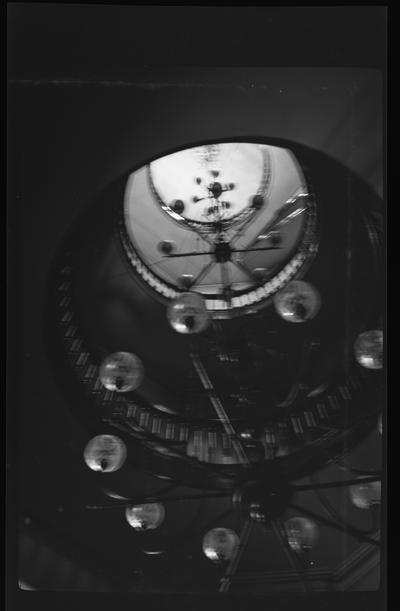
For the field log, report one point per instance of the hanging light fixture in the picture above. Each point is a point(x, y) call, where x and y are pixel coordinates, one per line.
point(368, 349)
point(302, 533)
point(186, 281)
point(380, 424)
point(105, 453)
point(121, 372)
point(260, 274)
point(365, 494)
point(178, 206)
point(188, 313)
point(220, 544)
point(166, 247)
point(148, 516)
point(297, 302)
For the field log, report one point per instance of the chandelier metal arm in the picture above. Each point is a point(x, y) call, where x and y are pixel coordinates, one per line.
point(341, 527)
point(203, 237)
point(221, 413)
point(282, 216)
point(238, 234)
point(343, 463)
point(234, 250)
point(256, 249)
point(235, 560)
point(211, 196)
point(188, 254)
point(244, 269)
point(225, 278)
point(294, 560)
point(202, 273)
point(337, 484)
point(160, 499)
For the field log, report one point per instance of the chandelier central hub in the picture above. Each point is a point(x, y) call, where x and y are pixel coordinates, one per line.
point(216, 189)
point(222, 252)
point(262, 502)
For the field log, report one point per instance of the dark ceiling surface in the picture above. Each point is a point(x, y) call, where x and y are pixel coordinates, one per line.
point(90, 97)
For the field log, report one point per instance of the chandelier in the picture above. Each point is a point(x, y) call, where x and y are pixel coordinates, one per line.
point(236, 351)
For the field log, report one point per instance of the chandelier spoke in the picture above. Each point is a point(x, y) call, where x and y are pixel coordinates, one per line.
point(235, 560)
point(291, 555)
point(256, 249)
point(217, 405)
point(244, 269)
point(188, 254)
point(203, 273)
point(337, 484)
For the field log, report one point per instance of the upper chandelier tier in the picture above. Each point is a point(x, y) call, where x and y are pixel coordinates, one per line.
point(213, 183)
point(232, 221)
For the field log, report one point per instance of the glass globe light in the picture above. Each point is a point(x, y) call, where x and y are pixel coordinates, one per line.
point(188, 313)
point(121, 372)
point(260, 274)
point(105, 453)
point(167, 247)
point(298, 301)
point(257, 514)
point(368, 349)
point(302, 533)
point(364, 495)
point(145, 517)
point(275, 237)
point(220, 544)
point(178, 206)
point(257, 201)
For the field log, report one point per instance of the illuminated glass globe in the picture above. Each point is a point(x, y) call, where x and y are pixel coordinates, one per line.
point(145, 517)
point(220, 544)
point(298, 301)
point(364, 495)
point(105, 453)
point(187, 313)
point(368, 349)
point(121, 372)
point(302, 533)
point(114, 495)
